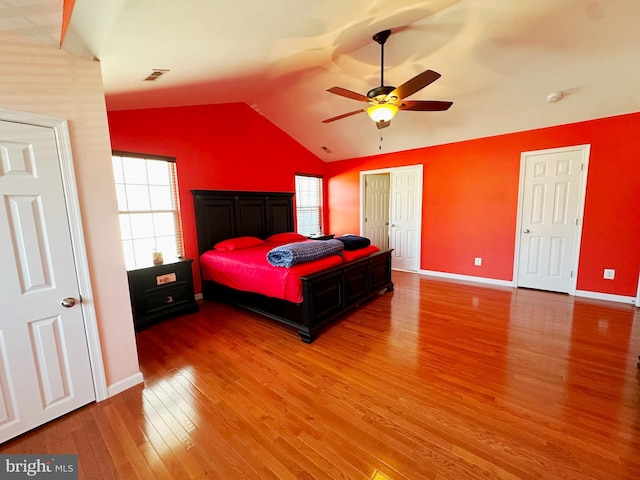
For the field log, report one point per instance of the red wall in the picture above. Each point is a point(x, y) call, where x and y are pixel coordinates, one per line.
point(217, 147)
point(470, 198)
point(470, 188)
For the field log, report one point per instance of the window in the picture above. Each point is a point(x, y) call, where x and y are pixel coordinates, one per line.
point(309, 204)
point(147, 191)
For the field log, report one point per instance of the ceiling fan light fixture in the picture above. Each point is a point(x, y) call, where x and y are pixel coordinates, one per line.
point(385, 101)
point(382, 112)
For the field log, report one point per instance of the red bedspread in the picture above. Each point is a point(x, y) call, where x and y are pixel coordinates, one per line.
point(247, 269)
point(351, 255)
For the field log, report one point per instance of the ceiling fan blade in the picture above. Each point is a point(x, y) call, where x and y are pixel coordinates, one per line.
point(416, 83)
point(425, 105)
point(343, 92)
point(333, 119)
point(382, 124)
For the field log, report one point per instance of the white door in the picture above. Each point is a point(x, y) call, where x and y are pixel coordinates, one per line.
point(376, 209)
point(406, 201)
point(45, 370)
point(550, 218)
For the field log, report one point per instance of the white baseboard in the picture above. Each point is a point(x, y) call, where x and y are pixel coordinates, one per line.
point(605, 296)
point(506, 283)
point(467, 278)
point(124, 384)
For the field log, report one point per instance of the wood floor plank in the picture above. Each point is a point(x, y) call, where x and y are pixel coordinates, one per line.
point(435, 380)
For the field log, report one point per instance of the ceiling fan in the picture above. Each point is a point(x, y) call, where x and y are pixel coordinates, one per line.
point(385, 101)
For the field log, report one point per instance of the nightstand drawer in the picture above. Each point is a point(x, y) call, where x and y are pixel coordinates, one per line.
point(165, 276)
point(164, 299)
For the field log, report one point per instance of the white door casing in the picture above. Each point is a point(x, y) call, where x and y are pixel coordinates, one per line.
point(376, 209)
point(50, 358)
point(550, 211)
point(406, 208)
point(405, 203)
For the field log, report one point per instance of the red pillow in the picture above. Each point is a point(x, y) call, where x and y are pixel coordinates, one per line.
point(238, 243)
point(285, 237)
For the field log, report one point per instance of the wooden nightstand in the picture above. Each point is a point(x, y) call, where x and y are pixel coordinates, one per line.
point(328, 236)
point(160, 291)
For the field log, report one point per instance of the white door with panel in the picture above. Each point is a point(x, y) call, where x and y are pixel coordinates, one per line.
point(376, 208)
point(406, 201)
point(45, 369)
point(549, 219)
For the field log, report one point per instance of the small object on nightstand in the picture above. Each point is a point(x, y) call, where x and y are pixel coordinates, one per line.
point(161, 291)
point(321, 236)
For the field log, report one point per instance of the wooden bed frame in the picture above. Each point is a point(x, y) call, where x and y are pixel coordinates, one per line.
point(326, 295)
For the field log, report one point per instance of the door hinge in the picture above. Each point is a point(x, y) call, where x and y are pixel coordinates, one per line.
point(365, 219)
point(576, 222)
point(582, 167)
point(571, 276)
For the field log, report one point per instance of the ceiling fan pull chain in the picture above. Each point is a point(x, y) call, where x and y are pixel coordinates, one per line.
point(380, 141)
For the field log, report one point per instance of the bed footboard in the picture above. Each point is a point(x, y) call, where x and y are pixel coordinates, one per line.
point(330, 293)
point(326, 295)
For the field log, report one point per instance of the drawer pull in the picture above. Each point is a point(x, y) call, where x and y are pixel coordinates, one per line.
point(170, 299)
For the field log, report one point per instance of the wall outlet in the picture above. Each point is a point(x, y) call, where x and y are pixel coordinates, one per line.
point(609, 273)
point(477, 261)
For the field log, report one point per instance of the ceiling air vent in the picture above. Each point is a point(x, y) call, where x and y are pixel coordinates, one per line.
point(155, 74)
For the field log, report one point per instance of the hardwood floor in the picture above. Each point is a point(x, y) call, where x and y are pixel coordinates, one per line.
point(435, 380)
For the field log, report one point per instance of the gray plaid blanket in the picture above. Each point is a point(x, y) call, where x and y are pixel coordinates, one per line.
point(292, 253)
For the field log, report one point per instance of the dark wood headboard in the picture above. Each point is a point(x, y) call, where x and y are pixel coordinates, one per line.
point(222, 214)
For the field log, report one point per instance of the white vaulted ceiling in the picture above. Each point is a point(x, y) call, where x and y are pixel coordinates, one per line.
point(499, 60)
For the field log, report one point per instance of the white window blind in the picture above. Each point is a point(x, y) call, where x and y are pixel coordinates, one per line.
point(309, 215)
point(147, 192)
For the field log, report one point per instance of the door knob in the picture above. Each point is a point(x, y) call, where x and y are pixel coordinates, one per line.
point(68, 302)
point(526, 231)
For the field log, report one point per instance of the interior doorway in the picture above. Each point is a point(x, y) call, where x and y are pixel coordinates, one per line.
point(402, 212)
point(376, 209)
point(50, 357)
point(550, 213)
